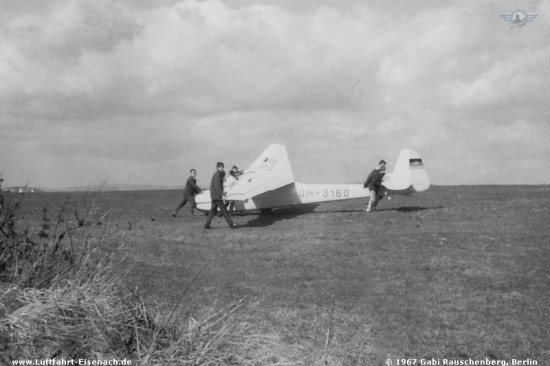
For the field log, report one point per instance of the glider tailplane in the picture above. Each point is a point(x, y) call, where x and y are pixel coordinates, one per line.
point(409, 174)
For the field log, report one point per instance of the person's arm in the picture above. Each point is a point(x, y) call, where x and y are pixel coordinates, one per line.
point(193, 184)
point(220, 183)
point(368, 181)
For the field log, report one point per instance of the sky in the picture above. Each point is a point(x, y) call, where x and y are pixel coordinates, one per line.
point(139, 92)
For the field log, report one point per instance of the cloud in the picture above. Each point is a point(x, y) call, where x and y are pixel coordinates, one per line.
point(118, 85)
point(58, 63)
point(202, 58)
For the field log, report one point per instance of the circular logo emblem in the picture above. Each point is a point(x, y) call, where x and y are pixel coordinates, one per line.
point(518, 18)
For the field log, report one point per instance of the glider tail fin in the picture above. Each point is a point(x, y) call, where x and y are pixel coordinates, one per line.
point(409, 173)
point(270, 171)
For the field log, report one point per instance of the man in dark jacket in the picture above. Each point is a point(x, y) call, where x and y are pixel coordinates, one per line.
point(374, 183)
point(216, 195)
point(189, 192)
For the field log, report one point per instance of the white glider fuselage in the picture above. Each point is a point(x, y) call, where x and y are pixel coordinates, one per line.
point(293, 194)
point(269, 183)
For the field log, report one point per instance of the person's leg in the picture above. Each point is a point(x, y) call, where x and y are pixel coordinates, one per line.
point(372, 200)
point(211, 214)
point(375, 203)
point(180, 206)
point(378, 198)
point(193, 204)
point(224, 212)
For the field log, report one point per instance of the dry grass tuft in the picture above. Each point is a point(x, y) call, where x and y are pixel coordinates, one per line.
point(225, 337)
point(61, 298)
point(72, 321)
point(79, 321)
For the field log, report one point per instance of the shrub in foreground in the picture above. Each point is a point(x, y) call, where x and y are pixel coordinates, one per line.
point(61, 298)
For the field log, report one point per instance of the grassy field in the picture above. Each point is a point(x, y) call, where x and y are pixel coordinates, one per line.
point(457, 272)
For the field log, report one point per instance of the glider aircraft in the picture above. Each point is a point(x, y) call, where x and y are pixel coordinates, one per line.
point(269, 183)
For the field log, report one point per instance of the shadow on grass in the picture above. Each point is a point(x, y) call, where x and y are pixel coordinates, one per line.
point(412, 208)
point(267, 218)
point(340, 211)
